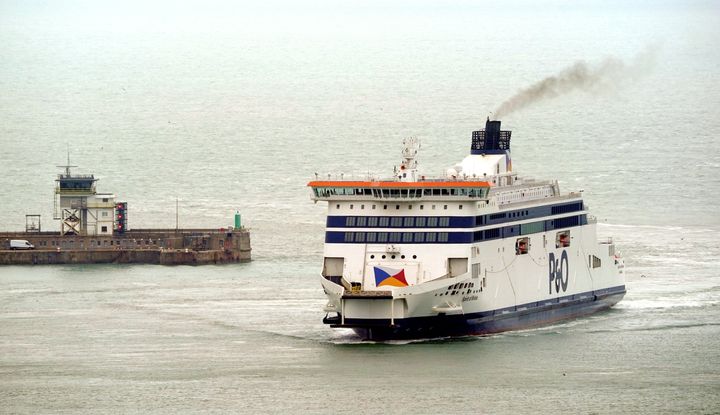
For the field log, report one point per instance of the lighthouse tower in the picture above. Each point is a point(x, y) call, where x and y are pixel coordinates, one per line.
point(81, 210)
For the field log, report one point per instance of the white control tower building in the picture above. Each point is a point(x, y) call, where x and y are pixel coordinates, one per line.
point(81, 210)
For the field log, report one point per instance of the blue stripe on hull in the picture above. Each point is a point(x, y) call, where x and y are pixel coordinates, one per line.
point(483, 323)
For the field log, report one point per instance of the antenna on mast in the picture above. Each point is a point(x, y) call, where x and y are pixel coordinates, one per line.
point(67, 166)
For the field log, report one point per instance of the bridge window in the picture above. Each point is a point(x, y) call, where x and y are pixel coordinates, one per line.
point(562, 239)
point(522, 245)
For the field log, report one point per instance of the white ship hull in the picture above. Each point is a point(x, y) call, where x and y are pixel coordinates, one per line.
point(508, 292)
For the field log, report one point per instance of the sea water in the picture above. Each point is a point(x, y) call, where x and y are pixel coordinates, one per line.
point(227, 107)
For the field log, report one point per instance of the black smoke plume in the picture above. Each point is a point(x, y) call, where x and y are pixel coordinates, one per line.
point(607, 75)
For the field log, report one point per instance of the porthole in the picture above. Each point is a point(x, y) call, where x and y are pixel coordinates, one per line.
point(392, 257)
point(414, 256)
point(372, 256)
point(383, 257)
point(402, 256)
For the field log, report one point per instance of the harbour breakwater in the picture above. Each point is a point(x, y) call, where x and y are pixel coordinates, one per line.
point(146, 246)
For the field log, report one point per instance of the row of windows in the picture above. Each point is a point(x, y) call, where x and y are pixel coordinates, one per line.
point(397, 207)
point(567, 208)
point(393, 222)
point(399, 193)
point(456, 237)
point(395, 237)
point(444, 221)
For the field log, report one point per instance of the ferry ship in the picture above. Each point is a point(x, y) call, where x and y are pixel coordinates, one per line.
point(478, 250)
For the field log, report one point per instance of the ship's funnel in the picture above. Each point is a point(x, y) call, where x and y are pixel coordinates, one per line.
point(491, 140)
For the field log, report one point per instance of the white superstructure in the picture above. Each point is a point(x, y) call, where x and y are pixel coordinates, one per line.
point(478, 251)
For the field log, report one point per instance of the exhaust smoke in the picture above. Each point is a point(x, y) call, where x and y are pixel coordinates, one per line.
point(580, 76)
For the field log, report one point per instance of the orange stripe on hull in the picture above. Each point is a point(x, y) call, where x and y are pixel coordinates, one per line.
point(395, 185)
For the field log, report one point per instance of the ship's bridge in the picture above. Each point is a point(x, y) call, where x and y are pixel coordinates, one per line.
point(488, 165)
point(398, 190)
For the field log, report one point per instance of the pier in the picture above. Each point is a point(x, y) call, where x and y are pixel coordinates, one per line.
point(146, 246)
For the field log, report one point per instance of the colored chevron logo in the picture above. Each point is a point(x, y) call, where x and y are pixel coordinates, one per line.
point(388, 276)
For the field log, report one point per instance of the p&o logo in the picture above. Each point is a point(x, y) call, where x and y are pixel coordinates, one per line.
point(559, 272)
